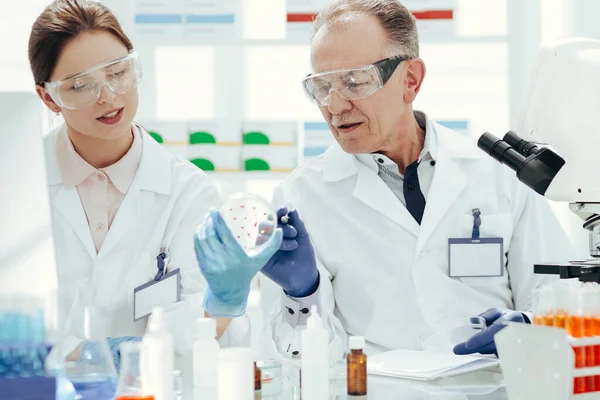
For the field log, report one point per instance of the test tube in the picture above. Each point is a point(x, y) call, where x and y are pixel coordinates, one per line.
point(25, 341)
point(575, 329)
point(597, 332)
point(588, 293)
point(14, 320)
point(561, 304)
point(539, 306)
point(542, 305)
point(37, 339)
point(4, 337)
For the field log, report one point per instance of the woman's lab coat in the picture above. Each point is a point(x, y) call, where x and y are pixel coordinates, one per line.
point(385, 277)
point(167, 200)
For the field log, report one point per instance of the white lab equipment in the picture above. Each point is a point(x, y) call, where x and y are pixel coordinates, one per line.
point(235, 374)
point(553, 149)
point(157, 358)
point(205, 353)
point(315, 358)
point(557, 158)
point(559, 109)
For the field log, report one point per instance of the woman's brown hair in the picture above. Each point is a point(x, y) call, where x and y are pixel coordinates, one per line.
point(61, 22)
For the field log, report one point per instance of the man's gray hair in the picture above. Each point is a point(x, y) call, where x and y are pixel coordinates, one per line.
point(396, 20)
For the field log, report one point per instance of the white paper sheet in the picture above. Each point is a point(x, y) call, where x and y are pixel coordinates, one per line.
point(420, 365)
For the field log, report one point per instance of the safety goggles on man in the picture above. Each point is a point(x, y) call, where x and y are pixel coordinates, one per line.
point(83, 89)
point(350, 83)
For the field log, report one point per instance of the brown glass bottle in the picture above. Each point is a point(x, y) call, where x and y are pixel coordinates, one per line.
point(357, 367)
point(257, 377)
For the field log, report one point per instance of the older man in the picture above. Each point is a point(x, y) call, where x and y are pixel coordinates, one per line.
point(403, 228)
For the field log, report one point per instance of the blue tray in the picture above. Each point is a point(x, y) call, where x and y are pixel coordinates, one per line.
point(34, 388)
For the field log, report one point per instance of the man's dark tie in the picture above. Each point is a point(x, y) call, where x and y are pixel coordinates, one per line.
point(415, 201)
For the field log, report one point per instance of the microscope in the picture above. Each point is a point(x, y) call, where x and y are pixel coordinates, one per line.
point(554, 150)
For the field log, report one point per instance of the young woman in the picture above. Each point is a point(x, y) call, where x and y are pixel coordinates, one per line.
point(122, 205)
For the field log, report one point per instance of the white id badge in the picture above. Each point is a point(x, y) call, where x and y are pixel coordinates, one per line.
point(475, 257)
point(162, 293)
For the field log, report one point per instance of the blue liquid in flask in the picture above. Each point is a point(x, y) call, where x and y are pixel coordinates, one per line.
point(94, 388)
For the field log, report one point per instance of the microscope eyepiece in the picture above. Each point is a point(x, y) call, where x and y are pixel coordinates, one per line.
point(501, 151)
point(522, 146)
point(535, 167)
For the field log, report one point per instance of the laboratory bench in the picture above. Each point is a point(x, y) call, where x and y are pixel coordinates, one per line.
point(484, 385)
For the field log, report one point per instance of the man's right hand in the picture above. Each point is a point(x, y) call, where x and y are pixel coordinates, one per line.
point(293, 266)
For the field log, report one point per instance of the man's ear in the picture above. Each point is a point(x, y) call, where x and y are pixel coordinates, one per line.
point(415, 75)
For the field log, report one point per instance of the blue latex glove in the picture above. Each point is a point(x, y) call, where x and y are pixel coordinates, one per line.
point(90, 350)
point(227, 268)
point(294, 266)
point(483, 342)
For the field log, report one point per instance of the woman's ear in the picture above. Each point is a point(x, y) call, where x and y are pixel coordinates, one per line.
point(47, 99)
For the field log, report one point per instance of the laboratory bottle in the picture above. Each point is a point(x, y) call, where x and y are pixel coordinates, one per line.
point(205, 353)
point(314, 351)
point(88, 364)
point(129, 385)
point(156, 359)
point(257, 378)
point(357, 366)
point(235, 374)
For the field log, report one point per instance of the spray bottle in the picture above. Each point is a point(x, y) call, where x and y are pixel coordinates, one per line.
point(315, 358)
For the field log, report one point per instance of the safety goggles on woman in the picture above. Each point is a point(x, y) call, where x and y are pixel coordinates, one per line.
point(83, 89)
point(350, 83)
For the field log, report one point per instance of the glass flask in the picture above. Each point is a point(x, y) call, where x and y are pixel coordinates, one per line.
point(129, 386)
point(82, 354)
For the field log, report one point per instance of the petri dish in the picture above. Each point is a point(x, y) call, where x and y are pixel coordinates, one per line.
point(251, 220)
